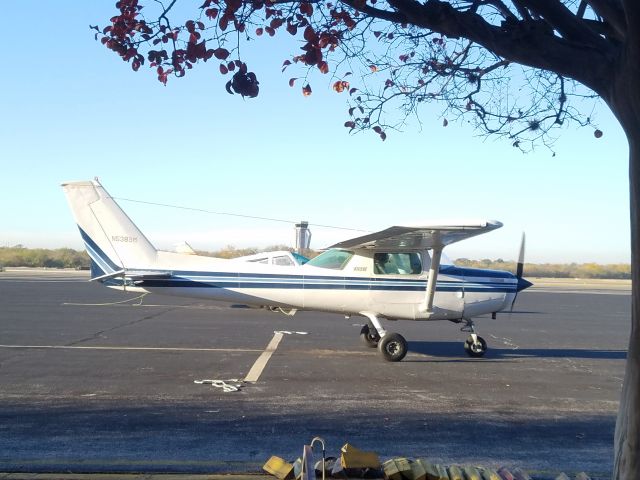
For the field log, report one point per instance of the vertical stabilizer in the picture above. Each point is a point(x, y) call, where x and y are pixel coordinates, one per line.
point(112, 240)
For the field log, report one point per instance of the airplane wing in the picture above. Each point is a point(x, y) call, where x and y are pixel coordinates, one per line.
point(420, 237)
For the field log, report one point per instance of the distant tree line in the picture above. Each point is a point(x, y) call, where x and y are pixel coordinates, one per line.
point(19, 256)
point(232, 252)
point(554, 270)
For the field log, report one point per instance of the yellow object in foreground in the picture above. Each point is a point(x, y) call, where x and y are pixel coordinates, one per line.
point(352, 457)
point(279, 468)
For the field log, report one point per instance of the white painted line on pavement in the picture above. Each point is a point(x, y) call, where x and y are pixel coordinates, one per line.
point(160, 349)
point(261, 362)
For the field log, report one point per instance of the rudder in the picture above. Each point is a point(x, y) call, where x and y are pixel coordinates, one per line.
point(111, 239)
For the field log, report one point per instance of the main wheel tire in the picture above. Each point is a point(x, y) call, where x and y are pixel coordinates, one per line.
point(369, 336)
point(393, 347)
point(475, 349)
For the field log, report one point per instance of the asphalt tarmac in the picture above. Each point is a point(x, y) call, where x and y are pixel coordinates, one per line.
point(88, 384)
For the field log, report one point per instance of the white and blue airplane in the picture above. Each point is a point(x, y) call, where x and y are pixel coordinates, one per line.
point(394, 274)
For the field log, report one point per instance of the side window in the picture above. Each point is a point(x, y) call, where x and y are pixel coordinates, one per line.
point(333, 259)
point(260, 260)
point(397, 263)
point(283, 261)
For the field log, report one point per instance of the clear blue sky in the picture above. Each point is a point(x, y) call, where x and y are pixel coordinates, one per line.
point(72, 110)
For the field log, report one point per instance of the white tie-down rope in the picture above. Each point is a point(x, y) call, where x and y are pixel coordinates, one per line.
point(141, 297)
point(223, 384)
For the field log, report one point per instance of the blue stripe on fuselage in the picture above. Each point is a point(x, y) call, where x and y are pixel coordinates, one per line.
point(194, 279)
point(94, 249)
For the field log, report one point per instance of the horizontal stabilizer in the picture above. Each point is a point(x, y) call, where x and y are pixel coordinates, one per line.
point(134, 275)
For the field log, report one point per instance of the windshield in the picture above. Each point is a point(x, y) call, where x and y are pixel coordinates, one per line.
point(300, 258)
point(334, 259)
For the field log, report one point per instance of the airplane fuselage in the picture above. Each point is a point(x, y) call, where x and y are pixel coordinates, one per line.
point(460, 292)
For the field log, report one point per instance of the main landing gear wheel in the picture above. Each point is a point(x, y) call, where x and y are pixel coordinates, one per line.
point(475, 348)
point(369, 336)
point(393, 347)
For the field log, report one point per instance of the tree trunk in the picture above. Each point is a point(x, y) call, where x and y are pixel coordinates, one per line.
point(624, 100)
point(627, 436)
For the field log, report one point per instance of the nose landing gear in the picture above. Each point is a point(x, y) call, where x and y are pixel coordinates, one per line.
point(474, 345)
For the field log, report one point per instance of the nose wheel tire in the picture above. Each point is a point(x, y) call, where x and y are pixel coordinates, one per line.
point(475, 348)
point(393, 347)
point(369, 336)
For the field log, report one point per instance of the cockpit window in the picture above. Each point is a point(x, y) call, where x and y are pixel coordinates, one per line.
point(334, 259)
point(397, 263)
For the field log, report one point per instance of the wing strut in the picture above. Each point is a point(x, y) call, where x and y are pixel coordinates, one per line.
point(427, 305)
point(432, 280)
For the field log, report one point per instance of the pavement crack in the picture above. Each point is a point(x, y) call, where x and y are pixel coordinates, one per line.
point(98, 334)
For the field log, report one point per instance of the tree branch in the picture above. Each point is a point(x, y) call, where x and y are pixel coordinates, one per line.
point(394, 17)
point(612, 12)
point(513, 41)
point(565, 22)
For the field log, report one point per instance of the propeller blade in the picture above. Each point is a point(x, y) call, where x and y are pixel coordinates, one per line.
point(520, 267)
point(522, 283)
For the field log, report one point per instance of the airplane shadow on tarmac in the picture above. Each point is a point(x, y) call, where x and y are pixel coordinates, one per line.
point(454, 349)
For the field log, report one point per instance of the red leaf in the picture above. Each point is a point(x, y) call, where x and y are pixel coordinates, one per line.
point(373, 68)
point(377, 129)
point(445, 122)
point(270, 31)
point(292, 81)
point(223, 69)
point(292, 29)
point(310, 34)
point(598, 134)
point(351, 125)
point(212, 13)
point(221, 53)
point(259, 31)
point(306, 9)
point(306, 90)
point(135, 65)
point(323, 67)
point(383, 136)
point(231, 66)
point(285, 65)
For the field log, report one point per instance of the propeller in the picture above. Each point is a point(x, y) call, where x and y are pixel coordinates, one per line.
point(522, 283)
